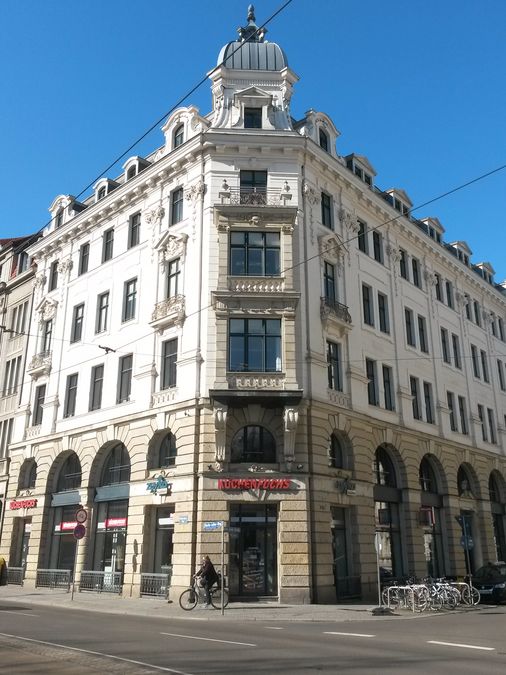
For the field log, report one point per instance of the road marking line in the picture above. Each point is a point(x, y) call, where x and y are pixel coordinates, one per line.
point(89, 651)
point(194, 637)
point(6, 611)
point(367, 635)
point(457, 644)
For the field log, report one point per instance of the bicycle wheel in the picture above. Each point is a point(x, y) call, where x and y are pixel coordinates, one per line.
point(188, 599)
point(216, 598)
point(476, 597)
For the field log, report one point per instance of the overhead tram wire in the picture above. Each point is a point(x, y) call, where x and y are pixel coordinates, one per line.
point(163, 117)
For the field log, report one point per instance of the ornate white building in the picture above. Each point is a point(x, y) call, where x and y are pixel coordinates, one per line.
point(244, 328)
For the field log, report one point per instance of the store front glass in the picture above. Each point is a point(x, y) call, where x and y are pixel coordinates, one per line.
point(430, 518)
point(65, 502)
point(498, 510)
point(253, 550)
point(164, 532)
point(387, 499)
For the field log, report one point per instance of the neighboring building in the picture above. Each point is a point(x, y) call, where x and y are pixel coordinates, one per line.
point(243, 328)
point(16, 290)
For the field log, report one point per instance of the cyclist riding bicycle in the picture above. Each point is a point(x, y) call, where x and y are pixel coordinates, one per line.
point(207, 576)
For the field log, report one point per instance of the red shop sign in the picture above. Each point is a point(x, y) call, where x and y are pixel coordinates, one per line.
point(115, 522)
point(254, 483)
point(23, 504)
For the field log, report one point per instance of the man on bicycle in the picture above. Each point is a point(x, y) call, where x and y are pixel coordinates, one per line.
point(207, 576)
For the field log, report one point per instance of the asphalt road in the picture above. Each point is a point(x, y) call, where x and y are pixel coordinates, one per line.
point(47, 640)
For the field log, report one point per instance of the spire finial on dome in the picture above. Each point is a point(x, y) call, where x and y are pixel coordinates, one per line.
point(251, 14)
point(251, 32)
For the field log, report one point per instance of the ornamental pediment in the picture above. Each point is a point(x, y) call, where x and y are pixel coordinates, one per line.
point(171, 246)
point(253, 92)
point(47, 309)
point(330, 247)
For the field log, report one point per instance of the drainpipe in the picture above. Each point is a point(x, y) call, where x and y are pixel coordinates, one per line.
point(309, 393)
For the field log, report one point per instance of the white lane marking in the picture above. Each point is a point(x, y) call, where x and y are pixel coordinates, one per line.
point(194, 637)
point(458, 644)
point(89, 651)
point(367, 635)
point(273, 627)
point(6, 611)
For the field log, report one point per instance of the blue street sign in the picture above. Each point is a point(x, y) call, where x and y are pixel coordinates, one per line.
point(210, 525)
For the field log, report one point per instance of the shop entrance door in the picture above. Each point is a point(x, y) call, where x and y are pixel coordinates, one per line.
point(253, 550)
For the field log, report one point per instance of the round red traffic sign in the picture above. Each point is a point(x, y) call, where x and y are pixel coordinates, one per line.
point(79, 531)
point(81, 516)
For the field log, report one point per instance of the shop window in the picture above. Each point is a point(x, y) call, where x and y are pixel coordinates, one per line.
point(117, 466)
point(253, 444)
point(70, 474)
point(255, 253)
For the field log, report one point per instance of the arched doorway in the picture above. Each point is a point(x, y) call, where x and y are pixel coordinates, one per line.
point(387, 506)
point(65, 500)
point(497, 496)
point(431, 516)
point(467, 488)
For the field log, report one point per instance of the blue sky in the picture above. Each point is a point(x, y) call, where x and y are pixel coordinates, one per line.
point(418, 87)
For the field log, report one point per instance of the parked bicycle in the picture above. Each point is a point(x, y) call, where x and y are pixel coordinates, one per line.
point(195, 595)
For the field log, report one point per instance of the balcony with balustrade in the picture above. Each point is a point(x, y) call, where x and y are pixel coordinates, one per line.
point(335, 314)
point(168, 312)
point(40, 364)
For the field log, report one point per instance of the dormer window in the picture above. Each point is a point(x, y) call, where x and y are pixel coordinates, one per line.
point(101, 193)
point(252, 118)
point(132, 172)
point(58, 219)
point(324, 140)
point(179, 136)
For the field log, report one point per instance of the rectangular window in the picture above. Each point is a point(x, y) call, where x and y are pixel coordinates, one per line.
point(69, 408)
point(463, 415)
point(255, 345)
point(84, 258)
point(124, 378)
point(40, 395)
point(362, 237)
point(388, 388)
point(422, 334)
point(134, 230)
point(481, 415)
point(456, 351)
point(253, 187)
point(12, 376)
point(47, 335)
point(491, 425)
point(415, 269)
point(439, 287)
point(414, 386)
point(76, 331)
point(377, 241)
point(403, 264)
point(169, 364)
point(429, 402)
point(53, 276)
point(474, 359)
point(329, 282)
point(410, 329)
point(107, 244)
point(384, 321)
point(484, 365)
point(5, 436)
point(326, 210)
point(372, 385)
point(102, 312)
point(449, 294)
point(255, 254)
point(445, 346)
point(176, 206)
point(493, 325)
point(477, 313)
point(367, 305)
point(129, 300)
point(334, 365)
point(96, 386)
point(18, 319)
point(252, 118)
point(500, 373)
point(468, 308)
point(500, 325)
point(451, 409)
point(173, 274)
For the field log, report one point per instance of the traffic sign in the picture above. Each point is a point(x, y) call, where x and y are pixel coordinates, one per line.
point(467, 542)
point(211, 525)
point(79, 531)
point(81, 515)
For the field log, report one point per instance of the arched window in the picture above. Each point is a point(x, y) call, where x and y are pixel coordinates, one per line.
point(70, 474)
point(427, 477)
point(117, 467)
point(336, 453)
point(253, 444)
point(102, 192)
point(179, 136)
point(464, 484)
point(28, 475)
point(59, 218)
point(132, 172)
point(323, 140)
point(384, 471)
point(167, 452)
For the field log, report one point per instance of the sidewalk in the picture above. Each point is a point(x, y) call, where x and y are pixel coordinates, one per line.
point(236, 611)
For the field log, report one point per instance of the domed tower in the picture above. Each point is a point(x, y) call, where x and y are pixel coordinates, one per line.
point(252, 83)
